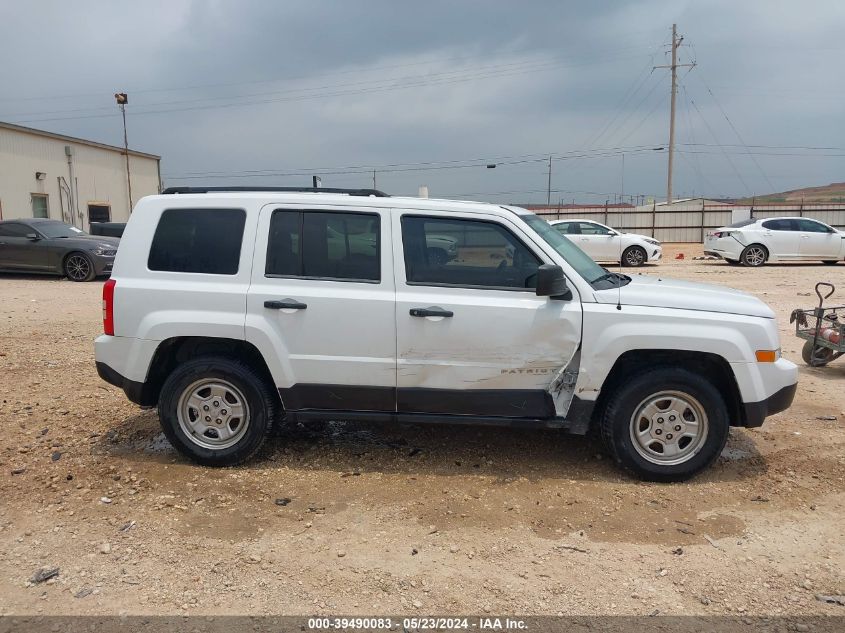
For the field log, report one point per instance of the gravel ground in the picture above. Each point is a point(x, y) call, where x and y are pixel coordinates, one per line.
point(406, 520)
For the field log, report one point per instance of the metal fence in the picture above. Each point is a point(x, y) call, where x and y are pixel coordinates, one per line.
point(691, 222)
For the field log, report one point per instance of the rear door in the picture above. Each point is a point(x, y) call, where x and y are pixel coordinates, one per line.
point(473, 338)
point(322, 299)
point(818, 241)
point(782, 237)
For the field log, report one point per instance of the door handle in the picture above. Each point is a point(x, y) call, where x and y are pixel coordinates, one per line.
point(285, 304)
point(433, 311)
point(805, 237)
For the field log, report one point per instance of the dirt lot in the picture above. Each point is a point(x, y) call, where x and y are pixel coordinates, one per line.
point(410, 520)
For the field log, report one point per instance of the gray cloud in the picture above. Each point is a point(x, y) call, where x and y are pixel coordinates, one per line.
point(230, 88)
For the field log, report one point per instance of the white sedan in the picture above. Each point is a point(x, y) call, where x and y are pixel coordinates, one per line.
point(754, 242)
point(605, 244)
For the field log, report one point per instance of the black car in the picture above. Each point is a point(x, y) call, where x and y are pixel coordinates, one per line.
point(53, 247)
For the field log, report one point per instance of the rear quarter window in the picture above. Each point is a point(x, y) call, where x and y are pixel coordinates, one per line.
point(198, 241)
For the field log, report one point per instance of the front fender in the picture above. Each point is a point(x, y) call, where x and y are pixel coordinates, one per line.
point(609, 333)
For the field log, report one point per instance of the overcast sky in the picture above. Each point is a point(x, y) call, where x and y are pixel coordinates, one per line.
point(266, 92)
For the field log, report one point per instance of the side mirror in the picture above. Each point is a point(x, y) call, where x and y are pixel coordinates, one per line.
point(551, 282)
point(32, 237)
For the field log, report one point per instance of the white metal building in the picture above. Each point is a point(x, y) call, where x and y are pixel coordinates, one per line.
point(47, 175)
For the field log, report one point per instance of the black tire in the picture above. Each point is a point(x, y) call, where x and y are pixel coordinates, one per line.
point(78, 267)
point(732, 262)
point(754, 255)
point(822, 356)
point(634, 256)
point(437, 256)
point(260, 400)
point(618, 419)
point(830, 262)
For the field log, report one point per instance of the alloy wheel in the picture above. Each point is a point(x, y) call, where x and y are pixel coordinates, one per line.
point(634, 257)
point(77, 267)
point(755, 256)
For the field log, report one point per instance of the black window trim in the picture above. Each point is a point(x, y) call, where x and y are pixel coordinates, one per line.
point(29, 228)
point(302, 213)
point(194, 208)
point(533, 291)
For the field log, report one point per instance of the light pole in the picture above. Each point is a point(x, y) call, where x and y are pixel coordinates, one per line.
point(122, 100)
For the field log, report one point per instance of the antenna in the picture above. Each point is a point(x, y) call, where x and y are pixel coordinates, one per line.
point(619, 278)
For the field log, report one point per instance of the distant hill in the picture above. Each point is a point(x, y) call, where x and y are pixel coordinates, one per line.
point(834, 192)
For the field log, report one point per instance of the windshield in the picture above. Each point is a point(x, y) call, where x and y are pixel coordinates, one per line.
point(59, 229)
point(574, 256)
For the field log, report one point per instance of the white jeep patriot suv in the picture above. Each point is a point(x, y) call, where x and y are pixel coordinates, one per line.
point(230, 309)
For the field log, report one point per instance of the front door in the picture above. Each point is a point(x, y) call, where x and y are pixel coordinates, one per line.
point(818, 241)
point(603, 245)
point(17, 251)
point(473, 338)
point(322, 296)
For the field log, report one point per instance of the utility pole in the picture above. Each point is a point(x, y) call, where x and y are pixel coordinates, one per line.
point(122, 100)
point(374, 179)
point(676, 42)
point(549, 189)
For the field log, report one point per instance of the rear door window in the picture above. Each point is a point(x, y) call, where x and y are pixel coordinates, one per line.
point(324, 245)
point(783, 224)
point(198, 241)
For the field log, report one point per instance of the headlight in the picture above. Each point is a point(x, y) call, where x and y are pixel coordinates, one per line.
point(105, 252)
point(655, 242)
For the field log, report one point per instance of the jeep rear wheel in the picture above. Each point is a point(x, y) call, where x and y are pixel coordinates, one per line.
point(216, 410)
point(667, 424)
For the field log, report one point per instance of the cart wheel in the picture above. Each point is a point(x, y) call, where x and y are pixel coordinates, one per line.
point(818, 357)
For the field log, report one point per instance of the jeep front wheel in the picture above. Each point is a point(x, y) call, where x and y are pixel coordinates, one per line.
point(667, 424)
point(216, 410)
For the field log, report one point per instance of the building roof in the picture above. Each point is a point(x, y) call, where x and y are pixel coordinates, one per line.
point(708, 201)
point(73, 139)
point(563, 207)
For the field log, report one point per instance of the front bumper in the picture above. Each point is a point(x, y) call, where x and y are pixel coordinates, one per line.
point(102, 264)
point(781, 400)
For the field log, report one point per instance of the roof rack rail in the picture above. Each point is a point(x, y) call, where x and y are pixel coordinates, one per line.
point(350, 192)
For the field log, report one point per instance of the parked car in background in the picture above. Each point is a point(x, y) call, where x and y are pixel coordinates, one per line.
point(605, 244)
point(757, 241)
point(53, 247)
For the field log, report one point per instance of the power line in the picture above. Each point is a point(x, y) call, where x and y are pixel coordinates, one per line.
point(353, 88)
point(716, 140)
point(525, 65)
point(425, 165)
point(733, 127)
point(357, 70)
